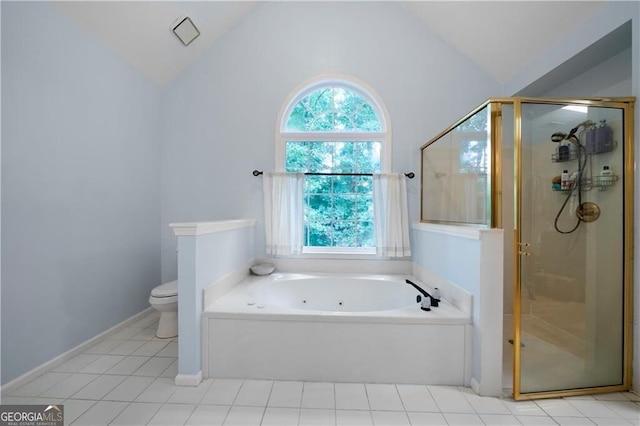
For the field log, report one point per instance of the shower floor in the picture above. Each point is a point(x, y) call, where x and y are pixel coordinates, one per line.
point(550, 350)
point(545, 363)
point(561, 323)
point(553, 333)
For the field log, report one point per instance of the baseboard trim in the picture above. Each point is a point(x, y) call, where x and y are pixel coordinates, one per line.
point(189, 379)
point(43, 368)
point(475, 386)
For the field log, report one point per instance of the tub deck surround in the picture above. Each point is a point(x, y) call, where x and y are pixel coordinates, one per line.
point(451, 293)
point(207, 251)
point(276, 298)
point(249, 333)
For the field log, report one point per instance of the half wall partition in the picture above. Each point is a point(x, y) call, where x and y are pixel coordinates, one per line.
point(557, 176)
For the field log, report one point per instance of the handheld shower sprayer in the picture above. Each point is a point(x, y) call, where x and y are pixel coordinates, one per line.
point(571, 136)
point(575, 142)
point(561, 136)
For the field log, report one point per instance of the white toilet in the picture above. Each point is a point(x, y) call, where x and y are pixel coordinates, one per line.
point(164, 299)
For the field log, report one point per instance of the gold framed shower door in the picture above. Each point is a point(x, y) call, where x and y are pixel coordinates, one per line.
point(501, 214)
point(522, 248)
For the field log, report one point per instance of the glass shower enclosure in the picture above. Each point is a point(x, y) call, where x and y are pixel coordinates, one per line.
point(557, 176)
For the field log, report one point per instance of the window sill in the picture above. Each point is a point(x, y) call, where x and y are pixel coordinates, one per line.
point(336, 253)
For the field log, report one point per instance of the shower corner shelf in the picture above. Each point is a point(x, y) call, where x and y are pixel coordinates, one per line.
point(600, 182)
point(573, 155)
point(555, 158)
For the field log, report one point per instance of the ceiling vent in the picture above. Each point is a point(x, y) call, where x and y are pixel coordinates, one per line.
point(185, 30)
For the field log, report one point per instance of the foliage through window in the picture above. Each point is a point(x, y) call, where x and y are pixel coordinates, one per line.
point(473, 156)
point(334, 129)
point(455, 173)
point(333, 109)
point(473, 146)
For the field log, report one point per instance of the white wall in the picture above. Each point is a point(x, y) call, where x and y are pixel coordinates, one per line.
point(80, 187)
point(606, 20)
point(607, 79)
point(220, 114)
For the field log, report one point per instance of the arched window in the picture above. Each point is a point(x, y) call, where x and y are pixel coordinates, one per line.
point(337, 131)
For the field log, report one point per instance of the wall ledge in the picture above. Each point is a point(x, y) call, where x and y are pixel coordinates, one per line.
point(203, 228)
point(469, 232)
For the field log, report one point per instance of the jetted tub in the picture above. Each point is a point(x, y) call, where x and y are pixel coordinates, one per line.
point(340, 328)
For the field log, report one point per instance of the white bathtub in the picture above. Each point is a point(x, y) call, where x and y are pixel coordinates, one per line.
point(340, 328)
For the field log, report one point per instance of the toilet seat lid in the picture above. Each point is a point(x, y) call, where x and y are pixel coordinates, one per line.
point(166, 290)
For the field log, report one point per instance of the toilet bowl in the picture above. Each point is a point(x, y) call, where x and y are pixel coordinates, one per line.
point(164, 299)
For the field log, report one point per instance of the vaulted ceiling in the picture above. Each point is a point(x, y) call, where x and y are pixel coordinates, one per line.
point(140, 31)
point(501, 37)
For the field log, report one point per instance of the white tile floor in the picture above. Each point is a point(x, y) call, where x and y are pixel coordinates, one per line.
point(127, 379)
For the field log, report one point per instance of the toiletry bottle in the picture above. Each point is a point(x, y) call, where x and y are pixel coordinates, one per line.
point(604, 138)
point(564, 179)
point(563, 152)
point(606, 176)
point(573, 180)
point(590, 144)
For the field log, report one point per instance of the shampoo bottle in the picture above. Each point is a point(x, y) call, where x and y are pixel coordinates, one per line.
point(564, 179)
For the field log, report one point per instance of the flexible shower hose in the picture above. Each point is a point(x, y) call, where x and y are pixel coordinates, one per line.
point(578, 187)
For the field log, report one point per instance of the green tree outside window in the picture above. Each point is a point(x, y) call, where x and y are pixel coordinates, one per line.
point(338, 209)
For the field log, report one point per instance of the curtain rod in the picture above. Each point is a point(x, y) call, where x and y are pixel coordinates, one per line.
point(410, 175)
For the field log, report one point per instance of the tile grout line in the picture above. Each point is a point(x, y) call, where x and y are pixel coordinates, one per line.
point(266, 403)
point(237, 393)
point(629, 401)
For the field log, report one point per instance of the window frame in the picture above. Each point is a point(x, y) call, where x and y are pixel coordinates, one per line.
point(383, 136)
point(363, 89)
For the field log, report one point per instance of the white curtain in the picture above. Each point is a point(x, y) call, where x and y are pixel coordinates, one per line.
point(283, 212)
point(391, 215)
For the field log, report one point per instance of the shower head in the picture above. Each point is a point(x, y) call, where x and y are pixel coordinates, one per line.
point(558, 137)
